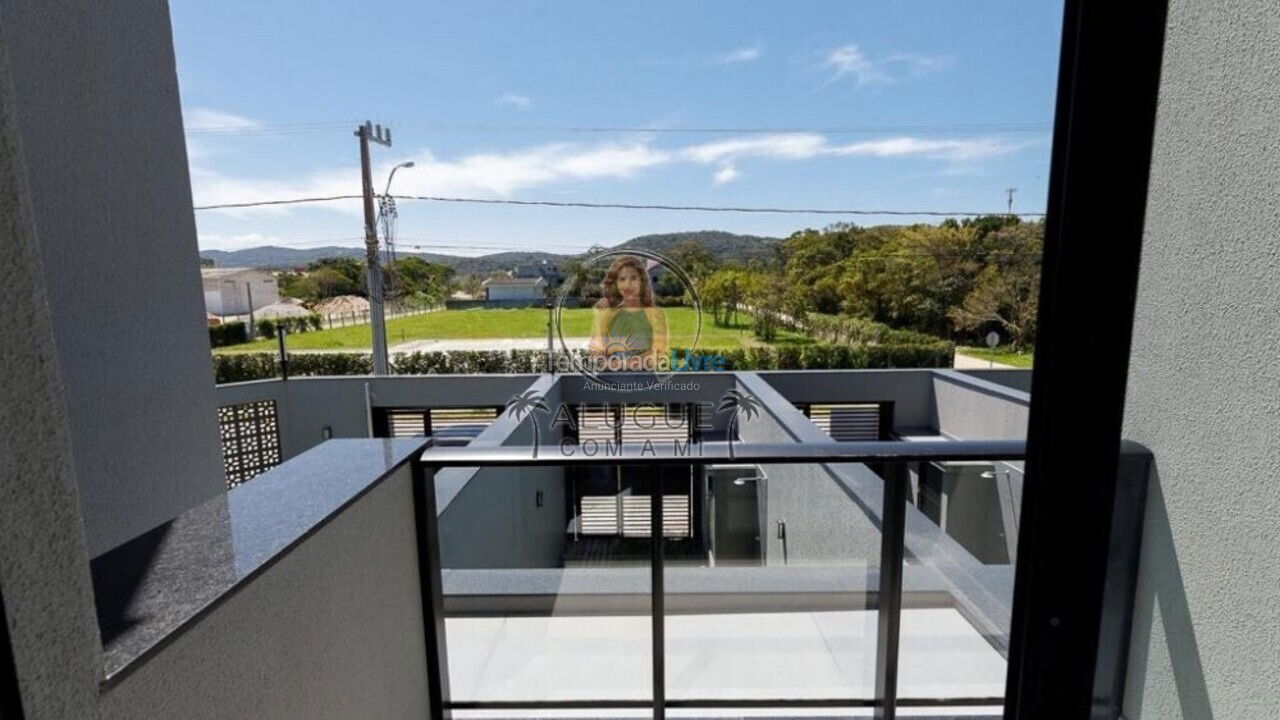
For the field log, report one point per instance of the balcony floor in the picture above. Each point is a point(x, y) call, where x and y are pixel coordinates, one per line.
point(826, 654)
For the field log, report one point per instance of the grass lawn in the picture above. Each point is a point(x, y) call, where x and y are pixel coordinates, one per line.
point(1001, 355)
point(482, 323)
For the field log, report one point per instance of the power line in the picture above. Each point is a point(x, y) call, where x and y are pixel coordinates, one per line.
point(291, 201)
point(434, 244)
point(920, 128)
point(627, 206)
point(704, 208)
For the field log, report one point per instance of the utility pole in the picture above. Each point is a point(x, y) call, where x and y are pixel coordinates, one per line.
point(1009, 191)
point(369, 133)
point(248, 291)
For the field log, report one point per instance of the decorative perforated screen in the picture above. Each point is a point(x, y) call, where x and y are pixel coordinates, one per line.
point(250, 439)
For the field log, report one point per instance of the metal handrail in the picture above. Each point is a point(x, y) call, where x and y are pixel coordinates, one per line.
point(892, 549)
point(720, 451)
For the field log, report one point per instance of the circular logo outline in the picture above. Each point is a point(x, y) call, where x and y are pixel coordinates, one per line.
point(660, 378)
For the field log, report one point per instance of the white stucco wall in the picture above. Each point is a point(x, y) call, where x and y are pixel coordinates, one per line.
point(1204, 382)
point(514, 292)
point(101, 129)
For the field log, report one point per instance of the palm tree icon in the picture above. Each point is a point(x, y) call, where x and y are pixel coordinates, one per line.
point(739, 403)
point(528, 403)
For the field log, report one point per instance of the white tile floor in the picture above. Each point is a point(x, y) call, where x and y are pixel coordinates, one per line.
point(716, 656)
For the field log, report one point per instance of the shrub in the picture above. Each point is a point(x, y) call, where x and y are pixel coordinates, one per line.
point(232, 333)
point(241, 367)
point(330, 364)
point(819, 356)
point(267, 328)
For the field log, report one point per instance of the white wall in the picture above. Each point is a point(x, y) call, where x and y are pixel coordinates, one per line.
point(101, 129)
point(514, 292)
point(1204, 382)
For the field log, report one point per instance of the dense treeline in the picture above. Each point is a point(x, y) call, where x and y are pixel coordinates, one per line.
point(956, 279)
point(408, 279)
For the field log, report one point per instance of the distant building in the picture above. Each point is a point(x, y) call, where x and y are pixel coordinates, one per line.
point(228, 291)
point(343, 305)
point(504, 287)
point(286, 308)
point(545, 270)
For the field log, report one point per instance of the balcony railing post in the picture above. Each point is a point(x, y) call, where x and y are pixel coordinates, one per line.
point(657, 605)
point(892, 553)
point(432, 588)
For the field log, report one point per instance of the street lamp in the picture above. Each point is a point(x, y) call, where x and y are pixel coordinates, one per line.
point(405, 164)
point(387, 216)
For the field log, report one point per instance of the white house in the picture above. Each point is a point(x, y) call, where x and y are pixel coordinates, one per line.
point(237, 291)
point(503, 287)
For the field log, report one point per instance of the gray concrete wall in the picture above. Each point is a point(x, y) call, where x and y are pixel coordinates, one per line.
point(308, 405)
point(909, 390)
point(489, 518)
point(101, 129)
point(44, 571)
point(332, 630)
point(974, 408)
point(1016, 379)
point(824, 523)
point(1204, 378)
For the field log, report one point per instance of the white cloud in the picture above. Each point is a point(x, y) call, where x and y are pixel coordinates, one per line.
point(202, 118)
point(502, 174)
point(514, 100)
point(740, 55)
point(726, 174)
point(918, 64)
point(953, 150)
point(786, 146)
point(849, 61)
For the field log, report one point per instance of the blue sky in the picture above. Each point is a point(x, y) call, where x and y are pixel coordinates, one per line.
point(952, 102)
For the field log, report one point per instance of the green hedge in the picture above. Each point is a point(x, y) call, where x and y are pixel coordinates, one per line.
point(846, 329)
point(232, 333)
point(240, 367)
point(267, 327)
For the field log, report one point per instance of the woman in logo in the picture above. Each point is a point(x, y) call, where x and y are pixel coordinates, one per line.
point(630, 331)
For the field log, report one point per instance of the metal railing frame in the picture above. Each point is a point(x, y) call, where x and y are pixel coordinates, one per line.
point(892, 557)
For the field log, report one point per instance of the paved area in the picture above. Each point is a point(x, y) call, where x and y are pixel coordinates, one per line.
point(967, 362)
point(732, 655)
point(486, 344)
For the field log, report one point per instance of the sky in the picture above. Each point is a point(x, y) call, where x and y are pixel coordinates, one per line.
point(917, 105)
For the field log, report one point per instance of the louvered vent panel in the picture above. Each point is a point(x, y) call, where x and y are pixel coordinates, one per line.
point(407, 423)
point(635, 515)
point(596, 422)
point(848, 422)
point(659, 424)
point(599, 515)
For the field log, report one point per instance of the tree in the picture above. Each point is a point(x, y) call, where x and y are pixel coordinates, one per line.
point(419, 280)
point(1006, 293)
point(472, 285)
point(722, 292)
point(765, 293)
point(692, 257)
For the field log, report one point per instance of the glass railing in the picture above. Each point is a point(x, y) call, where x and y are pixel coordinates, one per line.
point(857, 575)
